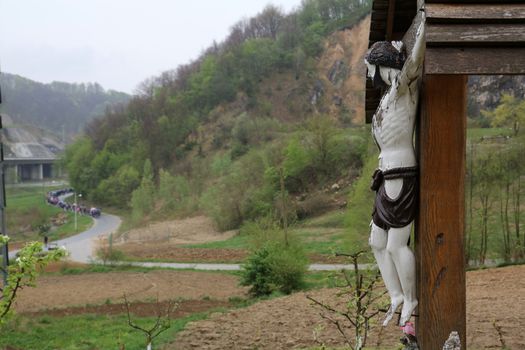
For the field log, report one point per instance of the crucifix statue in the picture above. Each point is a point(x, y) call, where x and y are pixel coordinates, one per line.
point(395, 180)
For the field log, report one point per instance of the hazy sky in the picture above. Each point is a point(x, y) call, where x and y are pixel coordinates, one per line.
point(117, 43)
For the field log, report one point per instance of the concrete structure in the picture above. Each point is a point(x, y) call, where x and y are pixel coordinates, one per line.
point(29, 156)
point(30, 169)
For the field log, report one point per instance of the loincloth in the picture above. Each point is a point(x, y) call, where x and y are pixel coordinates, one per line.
point(398, 212)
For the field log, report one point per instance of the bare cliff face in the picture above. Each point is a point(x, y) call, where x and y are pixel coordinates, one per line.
point(485, 91)
point(341, 71)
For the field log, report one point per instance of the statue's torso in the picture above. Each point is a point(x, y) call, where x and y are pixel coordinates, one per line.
point(393, 128)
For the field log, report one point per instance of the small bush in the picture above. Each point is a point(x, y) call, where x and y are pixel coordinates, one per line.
point(273, 267)
point(107, 254)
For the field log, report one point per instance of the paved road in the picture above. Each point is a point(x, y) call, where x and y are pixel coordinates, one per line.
point(81, 247)
point(234, 267)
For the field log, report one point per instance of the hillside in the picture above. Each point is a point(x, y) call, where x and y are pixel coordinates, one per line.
point(277, 105)
point(267, 123)
point(58, 107)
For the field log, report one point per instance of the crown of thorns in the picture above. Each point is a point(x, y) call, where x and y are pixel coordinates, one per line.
point(383, 53)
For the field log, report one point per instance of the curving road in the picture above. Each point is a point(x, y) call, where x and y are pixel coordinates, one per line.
point(81, 247)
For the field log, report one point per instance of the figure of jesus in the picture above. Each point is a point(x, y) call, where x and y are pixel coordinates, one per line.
point(395, 180)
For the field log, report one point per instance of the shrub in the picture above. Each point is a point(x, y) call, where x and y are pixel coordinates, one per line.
point(275, 266)
point(174, 191)
point(106, 253)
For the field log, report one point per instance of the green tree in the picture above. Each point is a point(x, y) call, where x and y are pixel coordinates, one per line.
point(117, 189)
point(276, 263)
point(486, 174)
point(174, 191)
point(143, 198)
point(77, 160)
point(23, 272)
point(510, 112)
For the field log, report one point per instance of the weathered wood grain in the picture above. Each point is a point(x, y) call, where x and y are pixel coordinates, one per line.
point(474, 60)
point(475, 35)
point(474, 1)
point(440, 224)
point(466, 13)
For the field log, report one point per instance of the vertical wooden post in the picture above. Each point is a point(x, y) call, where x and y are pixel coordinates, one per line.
point(440, 228)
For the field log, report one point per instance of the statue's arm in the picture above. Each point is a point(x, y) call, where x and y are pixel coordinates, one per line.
point(414, 63)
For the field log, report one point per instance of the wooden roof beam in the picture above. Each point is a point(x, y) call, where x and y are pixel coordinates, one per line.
point(475, 13)
point(508, 35)
point(475, 60)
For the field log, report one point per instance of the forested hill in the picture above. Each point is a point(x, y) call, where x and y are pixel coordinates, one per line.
point(278, 103)
point(56, 105)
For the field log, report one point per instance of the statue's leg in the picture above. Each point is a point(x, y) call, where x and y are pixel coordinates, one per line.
point(378, 243)
point(405, 264)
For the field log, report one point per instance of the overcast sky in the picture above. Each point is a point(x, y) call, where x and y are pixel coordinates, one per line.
point(117, 43)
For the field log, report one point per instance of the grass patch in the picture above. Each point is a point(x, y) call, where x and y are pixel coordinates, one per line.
point(477, 133)
point(68, 229)
point(27, 210)
point(85, 332)
point(236, 242)
point(105, 269)
point(95, 268)
point(360, 204)
point(333, 219)
point(321, 279)
point(318, 235)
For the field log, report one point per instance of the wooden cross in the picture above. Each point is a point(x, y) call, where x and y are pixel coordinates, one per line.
point(462, 38)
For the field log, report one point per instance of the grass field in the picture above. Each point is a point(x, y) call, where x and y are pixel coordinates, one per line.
point(27, 210)
point(85, 332)
point(477, 133)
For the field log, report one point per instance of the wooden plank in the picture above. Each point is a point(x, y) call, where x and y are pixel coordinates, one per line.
point(440, 224)
point(487, 13)
point(475, 60)
point(474, 34)
point(475, 1)
point(390, 19)
point(381, 5)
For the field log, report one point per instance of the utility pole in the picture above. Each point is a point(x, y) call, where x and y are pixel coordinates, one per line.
point(5, 249)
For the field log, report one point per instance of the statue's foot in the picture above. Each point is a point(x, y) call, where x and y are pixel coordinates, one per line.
point(395, 302)
point(406, 312)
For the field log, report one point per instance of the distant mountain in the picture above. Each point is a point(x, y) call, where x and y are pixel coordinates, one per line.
point(58, 106)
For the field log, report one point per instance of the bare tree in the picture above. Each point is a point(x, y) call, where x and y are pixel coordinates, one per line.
point(162, 323)
point(363, 303)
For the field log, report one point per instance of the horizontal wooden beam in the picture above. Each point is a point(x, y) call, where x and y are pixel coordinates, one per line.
point(475, 60)
point(475, 35)
point(476, 13)
point(474, 2)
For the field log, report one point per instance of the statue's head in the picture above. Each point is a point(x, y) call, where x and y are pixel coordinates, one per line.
point(382, 58)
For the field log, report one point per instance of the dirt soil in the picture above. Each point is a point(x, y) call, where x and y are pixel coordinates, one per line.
point(165, 241)
point(193, 230)
point(493, 296)
point(101, 288)
point(172, 252)
point(179, 309)
point(168, 252)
